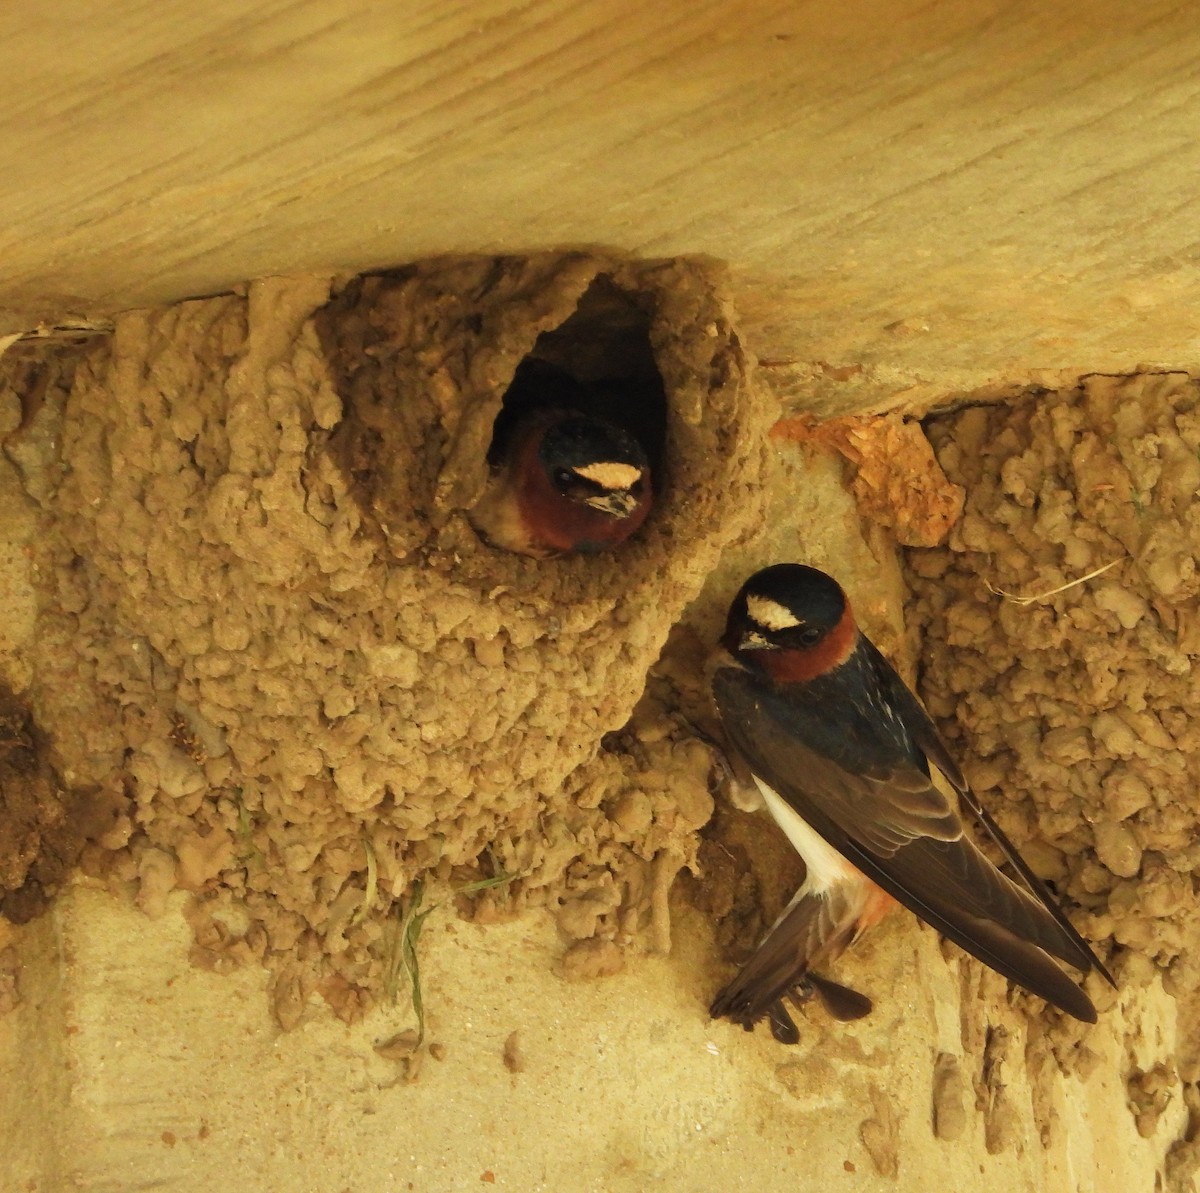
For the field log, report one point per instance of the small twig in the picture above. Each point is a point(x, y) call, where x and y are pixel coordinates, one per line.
point(485, 884)
point(371, 891)
point(69, 327)
point(245, 832)
point(403, 959)
point(400, 961)
point(1041, 596)
point(66, 330)
point(500, 877)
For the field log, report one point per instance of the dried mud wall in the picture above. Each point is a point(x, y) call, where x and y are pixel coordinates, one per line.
point(273, 646)
point(281, 681)
point(1074, 706)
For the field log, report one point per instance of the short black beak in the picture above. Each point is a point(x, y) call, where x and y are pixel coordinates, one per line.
point(619, 505)
point(753, 641)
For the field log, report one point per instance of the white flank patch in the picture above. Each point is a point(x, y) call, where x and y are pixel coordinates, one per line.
point(610, 476)
point(826, 867)
point(771, 614)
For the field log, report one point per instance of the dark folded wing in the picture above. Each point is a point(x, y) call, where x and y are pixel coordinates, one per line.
point(926, 736)
point(899, 830)
point(912, 712)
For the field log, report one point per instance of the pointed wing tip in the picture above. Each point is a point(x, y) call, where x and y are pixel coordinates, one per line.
point(1091, 961)
point(1083, 1009)
point(725, 1006)
point(1066, 996)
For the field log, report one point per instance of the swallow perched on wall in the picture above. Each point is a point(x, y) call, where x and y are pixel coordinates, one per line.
point(840, 750)
point(564, 481)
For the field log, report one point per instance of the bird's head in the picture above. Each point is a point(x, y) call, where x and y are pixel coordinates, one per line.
point(792, 622)
point(591, 486)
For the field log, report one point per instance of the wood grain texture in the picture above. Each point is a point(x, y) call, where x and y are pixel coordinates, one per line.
point(914, 198)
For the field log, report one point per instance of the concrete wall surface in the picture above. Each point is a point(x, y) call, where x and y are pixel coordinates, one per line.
point(914, 198)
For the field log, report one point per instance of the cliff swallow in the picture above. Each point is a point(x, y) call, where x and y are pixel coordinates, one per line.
point(565, 481)
point(840, 750)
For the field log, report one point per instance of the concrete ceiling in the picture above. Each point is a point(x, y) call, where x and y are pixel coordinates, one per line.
point(913, 197)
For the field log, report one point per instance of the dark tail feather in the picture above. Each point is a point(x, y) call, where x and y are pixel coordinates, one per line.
point(842, 1003)
point(814, 929)
point(783, 1027)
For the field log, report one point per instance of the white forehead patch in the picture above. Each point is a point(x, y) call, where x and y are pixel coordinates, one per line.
point(609, 475)
point(771, 615)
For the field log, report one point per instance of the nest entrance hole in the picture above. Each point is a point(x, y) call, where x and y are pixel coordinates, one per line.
point(598, 362)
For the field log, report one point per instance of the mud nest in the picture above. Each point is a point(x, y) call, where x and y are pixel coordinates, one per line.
point(1075, 712)
point(271, 634)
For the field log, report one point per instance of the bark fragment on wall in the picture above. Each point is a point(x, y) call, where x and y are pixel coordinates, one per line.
point(894, 477)
point(319, 686)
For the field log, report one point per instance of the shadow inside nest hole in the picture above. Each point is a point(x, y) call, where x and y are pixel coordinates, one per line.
point(598, 362)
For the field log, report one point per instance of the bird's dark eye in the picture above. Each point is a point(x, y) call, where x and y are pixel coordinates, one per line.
point(809, 636)
point(563, 477)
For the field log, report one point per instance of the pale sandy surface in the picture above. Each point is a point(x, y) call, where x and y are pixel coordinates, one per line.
point(934, 197)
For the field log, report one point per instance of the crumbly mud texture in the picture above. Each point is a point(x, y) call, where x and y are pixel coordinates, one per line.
point(1074, 712)
point(43, 827)
point(268, 623)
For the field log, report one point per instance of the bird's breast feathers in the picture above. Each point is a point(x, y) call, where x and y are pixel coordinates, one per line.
point(826, 868)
